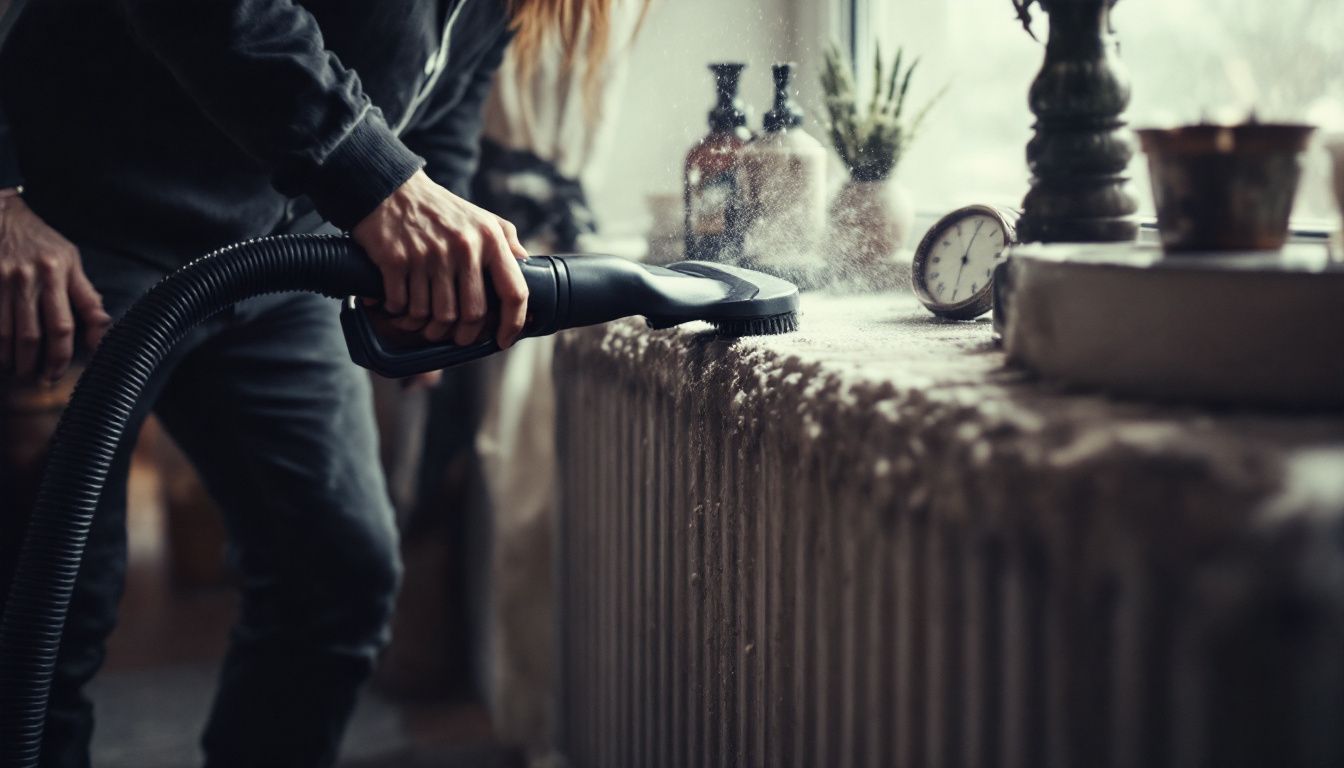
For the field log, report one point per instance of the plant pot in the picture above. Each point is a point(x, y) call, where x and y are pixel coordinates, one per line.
point(1336, 148)
point(870, 220)
point(1225, 188)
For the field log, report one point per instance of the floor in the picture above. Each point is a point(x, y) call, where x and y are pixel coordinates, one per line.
point(154, 693)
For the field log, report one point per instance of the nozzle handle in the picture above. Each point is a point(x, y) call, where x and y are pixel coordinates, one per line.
point(367, 348)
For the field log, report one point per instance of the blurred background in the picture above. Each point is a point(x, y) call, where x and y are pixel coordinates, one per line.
point(445, 682)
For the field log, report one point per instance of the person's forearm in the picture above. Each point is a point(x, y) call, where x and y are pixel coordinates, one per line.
point(260, 70)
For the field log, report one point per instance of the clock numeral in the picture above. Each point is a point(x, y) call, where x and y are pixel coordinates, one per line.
point(998, 255)
point(986, 273)
point(973, 287)
point(947, 242)
point(936, 259)
point(933, 276)
point(942, 287)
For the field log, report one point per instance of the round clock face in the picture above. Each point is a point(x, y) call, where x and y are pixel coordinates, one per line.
point(954, 264)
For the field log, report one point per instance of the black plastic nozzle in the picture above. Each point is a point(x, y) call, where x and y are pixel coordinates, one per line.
point(586, 289)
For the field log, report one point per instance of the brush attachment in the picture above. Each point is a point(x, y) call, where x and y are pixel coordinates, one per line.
point(736, 301)
point(757, 326)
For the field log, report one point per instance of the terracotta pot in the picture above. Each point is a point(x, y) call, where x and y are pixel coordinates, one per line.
point(1336, 147)
point(871, 220)
point(1225, 188)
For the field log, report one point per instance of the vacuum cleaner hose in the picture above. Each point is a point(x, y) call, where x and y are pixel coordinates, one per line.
point(565, 292)
point(91, 428)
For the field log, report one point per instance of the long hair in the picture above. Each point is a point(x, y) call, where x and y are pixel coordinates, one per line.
point(581, 27)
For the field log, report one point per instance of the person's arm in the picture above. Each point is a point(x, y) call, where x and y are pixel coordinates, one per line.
point(42, 285)
point(449, 136)
point(260, 70)
point(43, 289)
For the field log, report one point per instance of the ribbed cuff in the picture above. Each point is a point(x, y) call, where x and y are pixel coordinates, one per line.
point(362, 172)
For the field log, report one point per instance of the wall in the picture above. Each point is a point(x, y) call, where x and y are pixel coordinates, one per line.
point(669, 91)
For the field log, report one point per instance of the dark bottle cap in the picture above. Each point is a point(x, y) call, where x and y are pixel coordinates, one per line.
point(728, 113)
point(785, 113)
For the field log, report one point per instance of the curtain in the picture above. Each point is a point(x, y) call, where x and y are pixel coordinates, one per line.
point(543, 149)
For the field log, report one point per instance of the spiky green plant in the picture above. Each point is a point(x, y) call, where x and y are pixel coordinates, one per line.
point(870, 142)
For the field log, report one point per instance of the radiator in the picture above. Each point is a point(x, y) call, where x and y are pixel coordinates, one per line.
point(766, 561)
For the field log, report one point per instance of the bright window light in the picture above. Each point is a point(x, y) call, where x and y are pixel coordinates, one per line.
point(1188, 60)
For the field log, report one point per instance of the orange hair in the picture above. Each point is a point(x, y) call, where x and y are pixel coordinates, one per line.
point(577, 24)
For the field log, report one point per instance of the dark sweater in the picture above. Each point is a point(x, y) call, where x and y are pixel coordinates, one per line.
point(166, 128)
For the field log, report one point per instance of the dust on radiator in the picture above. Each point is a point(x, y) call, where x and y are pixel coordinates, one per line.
point(741, 586)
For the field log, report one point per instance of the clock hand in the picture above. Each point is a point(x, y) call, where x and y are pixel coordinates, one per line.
point(965, 257)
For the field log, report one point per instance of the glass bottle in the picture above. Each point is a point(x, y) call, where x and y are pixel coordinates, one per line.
point(710, 178)
point(782, 176)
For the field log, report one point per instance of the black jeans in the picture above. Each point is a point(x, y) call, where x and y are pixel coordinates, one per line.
point(264, 400)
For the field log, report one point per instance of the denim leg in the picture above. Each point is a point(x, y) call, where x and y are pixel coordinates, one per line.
point(280, 425)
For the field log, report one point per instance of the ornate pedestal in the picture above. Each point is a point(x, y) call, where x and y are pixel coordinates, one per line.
point(1078, 157)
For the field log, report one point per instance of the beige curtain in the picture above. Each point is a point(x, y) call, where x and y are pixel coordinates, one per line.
point(546, 115)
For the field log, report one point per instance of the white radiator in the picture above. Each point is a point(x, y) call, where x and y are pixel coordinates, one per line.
point(770, 562)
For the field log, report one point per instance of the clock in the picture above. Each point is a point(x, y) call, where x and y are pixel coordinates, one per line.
point(953, 271)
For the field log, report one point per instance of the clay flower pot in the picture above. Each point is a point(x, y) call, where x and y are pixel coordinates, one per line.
point(1225, 187)
point(1336, 148)
point(871, 220)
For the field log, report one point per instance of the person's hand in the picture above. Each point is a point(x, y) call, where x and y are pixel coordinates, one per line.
point(42, 289)
point(433, 249)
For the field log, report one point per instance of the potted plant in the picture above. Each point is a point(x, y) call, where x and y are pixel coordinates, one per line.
point(872, 214)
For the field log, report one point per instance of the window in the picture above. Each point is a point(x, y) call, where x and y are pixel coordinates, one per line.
point(1187, 59)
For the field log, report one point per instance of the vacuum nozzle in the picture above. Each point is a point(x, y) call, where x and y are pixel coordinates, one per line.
point(577, 290)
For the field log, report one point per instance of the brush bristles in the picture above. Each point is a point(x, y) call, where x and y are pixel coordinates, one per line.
point(757, 326)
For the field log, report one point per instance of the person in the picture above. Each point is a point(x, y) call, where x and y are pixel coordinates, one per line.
point(139, 134)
